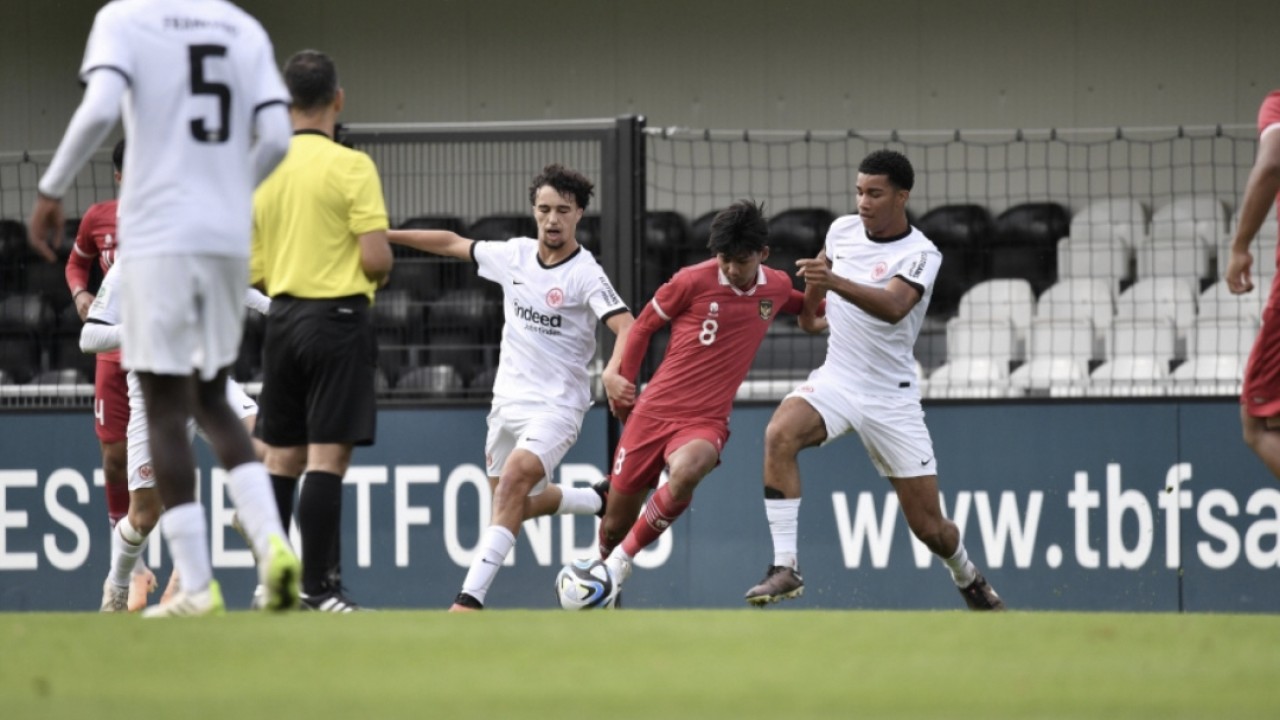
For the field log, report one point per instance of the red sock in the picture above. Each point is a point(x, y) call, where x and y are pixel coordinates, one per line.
point(117, 500)
point(659, 512)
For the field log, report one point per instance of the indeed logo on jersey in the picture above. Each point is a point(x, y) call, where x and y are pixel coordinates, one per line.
point(533, 317)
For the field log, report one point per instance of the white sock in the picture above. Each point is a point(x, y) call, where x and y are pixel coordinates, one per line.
point(578, 501)
point(619, 564)
point(963, 571)
point(127, 545)
point(255, 501)
point(187, 532)
point(495, 544)
point(784, 526)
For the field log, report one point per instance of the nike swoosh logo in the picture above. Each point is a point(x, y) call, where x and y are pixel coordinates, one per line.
point(517, 282)
point(247, 407)
point(487, 561)
point(925, 461)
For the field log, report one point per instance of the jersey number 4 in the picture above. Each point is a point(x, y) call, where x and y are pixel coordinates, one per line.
point(198, 54)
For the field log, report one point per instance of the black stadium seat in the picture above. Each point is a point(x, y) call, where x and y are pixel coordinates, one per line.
point(1025, 243)
point(503, 227)
point(959, 231)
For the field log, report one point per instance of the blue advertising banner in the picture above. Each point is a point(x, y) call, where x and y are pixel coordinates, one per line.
point(1077, 505)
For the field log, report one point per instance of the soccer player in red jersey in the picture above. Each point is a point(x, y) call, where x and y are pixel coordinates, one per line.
point(96, 238)
point(719, 311)
point(1260, 398)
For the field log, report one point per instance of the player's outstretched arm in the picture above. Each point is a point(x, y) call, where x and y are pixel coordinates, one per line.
point(93, 120)
point(436, 242)
point(620, 389)
point(1259, 193)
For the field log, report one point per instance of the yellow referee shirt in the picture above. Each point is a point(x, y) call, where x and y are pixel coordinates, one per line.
point(307, 217)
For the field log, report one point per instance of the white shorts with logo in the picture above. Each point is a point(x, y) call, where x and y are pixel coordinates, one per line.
point(891, 426)
point(181, 313)
point(139, 446)
point(548, 433)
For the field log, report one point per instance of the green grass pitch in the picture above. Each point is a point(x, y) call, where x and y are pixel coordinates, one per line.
point(641, 664)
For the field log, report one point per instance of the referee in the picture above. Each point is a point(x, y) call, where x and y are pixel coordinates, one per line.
point(320, 251)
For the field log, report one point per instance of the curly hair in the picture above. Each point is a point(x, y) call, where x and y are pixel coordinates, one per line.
point(564, 181)
point(892, 164)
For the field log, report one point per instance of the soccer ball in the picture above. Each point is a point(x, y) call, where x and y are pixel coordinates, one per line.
point(585, 585)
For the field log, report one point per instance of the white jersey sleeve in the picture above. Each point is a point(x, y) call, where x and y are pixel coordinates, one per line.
point(493, 259)
point(108, 46)
point(106, 304)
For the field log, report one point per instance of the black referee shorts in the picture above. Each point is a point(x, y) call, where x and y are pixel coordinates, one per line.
point(318, 374)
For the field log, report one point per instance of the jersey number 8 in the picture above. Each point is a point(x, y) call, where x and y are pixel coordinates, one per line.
point(709, 330)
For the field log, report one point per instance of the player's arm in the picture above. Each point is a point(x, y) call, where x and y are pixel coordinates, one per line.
point(890, 303)
point(436, 242)
point(272, 131)
point(619, 387)
point(79, 264)
point(1259, 192)
point(99, 337)
point(375, 256)
point(93, 120)
point(813, 305)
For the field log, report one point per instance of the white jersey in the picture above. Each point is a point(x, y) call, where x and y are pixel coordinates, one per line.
point(197, 71)
point(550, 312)
point(869, 354)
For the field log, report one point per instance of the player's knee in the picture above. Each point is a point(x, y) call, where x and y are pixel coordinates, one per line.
point(932, 532)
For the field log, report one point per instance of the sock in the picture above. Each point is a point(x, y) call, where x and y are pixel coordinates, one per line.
point(117, 501)
point(127, 545)
point(578, 501)
point(963, 571)
point(319, 520)
point(495, 544)
point(659, 512)
point(250, 488)
point(619, 564)
point(784, 525)
point(285, 488)
point(187, 532)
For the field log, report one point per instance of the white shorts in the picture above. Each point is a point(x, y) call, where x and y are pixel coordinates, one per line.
point(182, 313)
point(891, 426)
point(547, 433)
point(139, 447)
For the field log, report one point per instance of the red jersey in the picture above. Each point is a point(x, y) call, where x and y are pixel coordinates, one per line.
point(716, 330)
point(95, 238)
point(1268, 115)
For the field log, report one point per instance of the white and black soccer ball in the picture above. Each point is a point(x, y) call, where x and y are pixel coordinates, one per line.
point(585, 585)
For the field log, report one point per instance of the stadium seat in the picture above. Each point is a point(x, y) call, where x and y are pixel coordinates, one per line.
point(1130, 376)
point(588, 233)
point(1221, 336)
point(1145, 337)
point(1171, 298)
point(1024, 243)
point(959, 231)
point(988, 339)
point(503, 227)
point(1197, 219)
point(1209, 375)
point(1120, 221)
point(803, 229)
point(27, 311)
point(1005, 298)
point(975, 377)
point(19, 354)
point(418, 274)
point(424, 275)
point(783, 349)
point(1089, 299)
point(60, 377)
point(1068, 337)
point(13, 253)
point(398, 317)
point(1056, 376)
point(452, 223)
point(1217, 301)
point(1112, 262)
point(432, 381)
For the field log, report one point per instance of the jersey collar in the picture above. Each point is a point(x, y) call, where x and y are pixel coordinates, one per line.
point(761, 279)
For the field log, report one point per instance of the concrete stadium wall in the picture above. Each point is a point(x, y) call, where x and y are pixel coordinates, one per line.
point(815, 64)
point(1142, 506)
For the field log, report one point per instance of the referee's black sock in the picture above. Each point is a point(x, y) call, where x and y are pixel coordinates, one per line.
point(320, 521)
point(285, 488)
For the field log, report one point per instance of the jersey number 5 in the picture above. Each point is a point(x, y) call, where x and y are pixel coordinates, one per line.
point(200, 86)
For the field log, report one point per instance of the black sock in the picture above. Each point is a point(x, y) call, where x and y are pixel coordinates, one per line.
point(320, 521)
point(285, 488)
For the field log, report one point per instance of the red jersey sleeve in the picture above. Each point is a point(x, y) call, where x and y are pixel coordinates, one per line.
point(1269, 113)
point(82, 255)
point(670, 300)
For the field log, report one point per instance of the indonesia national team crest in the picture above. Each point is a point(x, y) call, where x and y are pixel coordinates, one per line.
point(766, 309)
point(555, 297)
point(879, 271)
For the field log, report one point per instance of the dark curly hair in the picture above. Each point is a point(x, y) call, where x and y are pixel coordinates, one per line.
point(893, 165)
point(564, 181)
point(739, 230)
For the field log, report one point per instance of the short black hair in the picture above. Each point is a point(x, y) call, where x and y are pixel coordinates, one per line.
point(564, 181)
point(312, 79)
point(117, 156)
point(738, 230)
point(893, 165)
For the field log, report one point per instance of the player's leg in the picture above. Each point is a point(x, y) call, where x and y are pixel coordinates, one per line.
point(795, 425)
point(567, 500)
point(693, 456)
point(129, 536)
point(638, 462)
point(111, 420)
point(1262, 435)
point(320, 527)
point(521, 472)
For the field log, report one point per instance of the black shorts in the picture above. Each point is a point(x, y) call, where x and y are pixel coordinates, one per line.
point(319, 358)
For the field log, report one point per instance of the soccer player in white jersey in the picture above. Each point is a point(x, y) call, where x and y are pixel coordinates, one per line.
point(101, 333)
point(876, 273)
point(206, 115)
point(553, 292)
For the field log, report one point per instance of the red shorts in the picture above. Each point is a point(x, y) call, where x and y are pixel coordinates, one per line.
point(110, 400)
point(647, 442)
